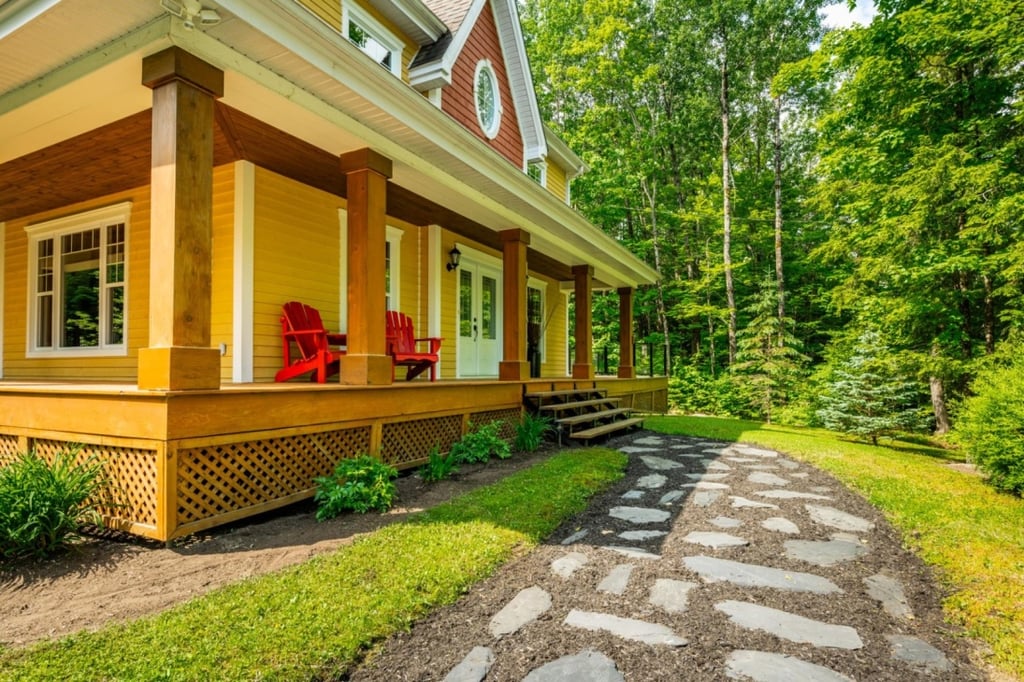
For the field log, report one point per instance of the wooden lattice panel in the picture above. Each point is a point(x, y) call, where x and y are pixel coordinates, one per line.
point(404, 443)
point(9, 450)
point(509, 418)
point(131, 472)
point(217, 479)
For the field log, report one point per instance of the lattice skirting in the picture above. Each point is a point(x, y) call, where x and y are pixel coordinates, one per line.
point(508, 417)
point(219, 479)
point(409, 442)
point(9, 449)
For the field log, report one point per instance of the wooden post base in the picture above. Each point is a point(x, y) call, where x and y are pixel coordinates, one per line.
point(582, 371)
point(179, 369)
point(513, 371)
point(627, 372)
point(366, 370)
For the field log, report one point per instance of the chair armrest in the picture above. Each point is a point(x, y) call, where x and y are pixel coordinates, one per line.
point(434, 341)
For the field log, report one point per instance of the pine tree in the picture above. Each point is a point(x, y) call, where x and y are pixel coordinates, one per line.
point(867, 395)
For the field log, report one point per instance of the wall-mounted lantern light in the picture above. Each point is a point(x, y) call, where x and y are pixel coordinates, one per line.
point(453, 258)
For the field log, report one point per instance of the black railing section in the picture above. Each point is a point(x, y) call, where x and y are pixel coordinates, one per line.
point(649, 359)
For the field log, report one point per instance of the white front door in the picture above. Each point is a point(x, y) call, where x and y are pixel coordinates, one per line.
point(479, 320)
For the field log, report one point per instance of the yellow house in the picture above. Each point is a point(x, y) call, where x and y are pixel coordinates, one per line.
point(172, 172)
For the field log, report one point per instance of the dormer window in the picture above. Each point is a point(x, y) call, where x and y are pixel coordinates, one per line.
point(488, 99)
point(370, 36)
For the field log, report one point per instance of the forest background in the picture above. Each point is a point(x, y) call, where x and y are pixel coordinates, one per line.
point(836, 214)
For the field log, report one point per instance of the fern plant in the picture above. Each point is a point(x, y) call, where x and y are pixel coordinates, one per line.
point(359, 484)
point(480, 445)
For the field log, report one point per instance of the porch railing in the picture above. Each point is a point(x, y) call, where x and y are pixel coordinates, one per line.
point(649, 359)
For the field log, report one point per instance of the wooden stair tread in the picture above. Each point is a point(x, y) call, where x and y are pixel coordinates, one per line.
point(591, 416)
point(580, 403)
point(607, 428)
point(565, 392)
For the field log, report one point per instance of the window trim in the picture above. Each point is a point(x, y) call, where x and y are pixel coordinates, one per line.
point(352, 12)
point(54, 229)
point(484, 65)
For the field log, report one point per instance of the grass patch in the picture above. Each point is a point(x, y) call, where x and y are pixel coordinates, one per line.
point(314, 620)
point(953, 520)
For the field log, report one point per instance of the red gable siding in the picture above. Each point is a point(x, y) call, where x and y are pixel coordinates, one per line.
point(457, 99)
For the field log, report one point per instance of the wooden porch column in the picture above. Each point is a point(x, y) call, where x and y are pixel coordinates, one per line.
point(179, 356)
point(514, 367)
point(626, 369)
point(366, 361)
point(583, 367)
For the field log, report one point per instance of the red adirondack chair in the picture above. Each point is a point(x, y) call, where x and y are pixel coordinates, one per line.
point(301, 324)
point(402, 347)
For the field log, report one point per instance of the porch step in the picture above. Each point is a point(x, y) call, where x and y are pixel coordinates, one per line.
point(593, 416)
point(541, 395)
point(607, 428)
point(558, 407)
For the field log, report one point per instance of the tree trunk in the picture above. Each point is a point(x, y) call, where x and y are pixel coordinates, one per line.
point(730, 296)
point(651, 195)
point(990, 318)
point(779, 280)
point(938, 392)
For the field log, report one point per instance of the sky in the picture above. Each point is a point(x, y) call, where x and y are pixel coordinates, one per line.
point(839, 15)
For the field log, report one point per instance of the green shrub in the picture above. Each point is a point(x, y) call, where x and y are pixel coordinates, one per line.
point(990, 424)
point(359, 484)
point(480, 444)
point(43, 506)
point(438, 467)
point(531, 431)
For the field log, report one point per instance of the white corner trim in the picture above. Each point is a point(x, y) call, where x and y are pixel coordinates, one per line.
point(435, 269)
point(3, 299)
point(242, 356)
point(342, 270)
point(479, 256)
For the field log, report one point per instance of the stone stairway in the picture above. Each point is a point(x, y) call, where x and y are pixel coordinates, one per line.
point(582, 413)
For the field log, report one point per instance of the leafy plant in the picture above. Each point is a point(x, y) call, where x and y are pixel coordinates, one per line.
point(480, 444)
point(359, 484)
point(989, 423)
point(43, 506)
point(530, 432)
point(438, 467)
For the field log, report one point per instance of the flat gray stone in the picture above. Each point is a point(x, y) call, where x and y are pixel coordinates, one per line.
point(715, 540)
point(918, 653)
point(716, 451)
point(790, 626)
point(790, 495)
point(742, 502)
point(824, 552)
point(641, 535)
point(824, 490)
point(474, 667)
point(743, 460)
point(671, 595)
point(684, 446)
point(714, 570)
point(633, 552)
point(639, 514)
point(799, 474)
point(753, 451)
point(569, 564)
point(586, 666)
point(660, 463)
point(766, 478)
point(835, 518)
point(762, 666)
point(725, 522)
point(617, 580)
point(632, 449)
point(650, 440)
point(651, 481)
point(780, 525)
point(575, 537)
point(787, 463)
point(669, 498)
point(761, 467)
point(706, 485)
point(633, 494)
point(715, 465)
point(704, 498)
point(708, 477)
point(524, 608)
point(889, 592)
point(626, 628)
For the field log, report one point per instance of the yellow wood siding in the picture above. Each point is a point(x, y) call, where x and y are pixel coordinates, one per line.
point(328, 10)
point(222, 307)
point(554, 332)
point(16, 269)
point(556, 180)
point(296, 256)
point(410, 275)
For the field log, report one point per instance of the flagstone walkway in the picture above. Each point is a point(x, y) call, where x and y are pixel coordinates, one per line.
point(715, 561)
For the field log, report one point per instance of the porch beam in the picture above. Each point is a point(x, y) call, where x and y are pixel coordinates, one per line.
point(583, 277)
point(366, 177)
point(626, 368)
point(514, 365)
point(179, 356)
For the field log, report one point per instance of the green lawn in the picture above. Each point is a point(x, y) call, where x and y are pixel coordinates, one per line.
point(316, 619)
point(972, 534)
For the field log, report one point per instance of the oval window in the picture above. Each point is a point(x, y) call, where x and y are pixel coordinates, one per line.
point(488, 102)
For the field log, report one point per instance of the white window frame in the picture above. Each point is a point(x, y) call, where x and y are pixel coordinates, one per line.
point(54, 229)
point(481, 66)
point(541, 286)
point(394, 292)
point(354, 14)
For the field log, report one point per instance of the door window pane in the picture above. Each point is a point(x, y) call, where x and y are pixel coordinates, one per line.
point(465, 303)
point(488, 302)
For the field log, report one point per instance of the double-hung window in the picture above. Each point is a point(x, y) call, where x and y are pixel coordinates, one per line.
point(370, 36)
point(77, 283)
